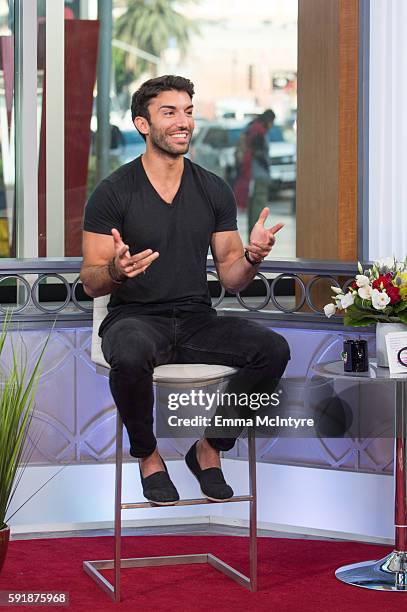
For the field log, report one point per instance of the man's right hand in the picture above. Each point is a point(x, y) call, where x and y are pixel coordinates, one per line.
point(129, 266)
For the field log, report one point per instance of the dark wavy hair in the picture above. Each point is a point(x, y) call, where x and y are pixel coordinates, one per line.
point(152, 88)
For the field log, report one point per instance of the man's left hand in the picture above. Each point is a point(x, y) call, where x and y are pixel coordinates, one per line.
point(261, 239)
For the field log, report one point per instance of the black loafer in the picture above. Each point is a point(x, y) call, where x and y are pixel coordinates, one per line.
point(159, 489)
point(211, 480)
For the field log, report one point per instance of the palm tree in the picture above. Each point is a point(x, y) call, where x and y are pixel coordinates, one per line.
point(151, 24)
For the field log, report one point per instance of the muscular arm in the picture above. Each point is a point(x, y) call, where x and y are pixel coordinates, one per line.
point(234, 272)
point(97, 250)
point(100, 249)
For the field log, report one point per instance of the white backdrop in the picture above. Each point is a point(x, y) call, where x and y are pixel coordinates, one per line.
point(388, 129)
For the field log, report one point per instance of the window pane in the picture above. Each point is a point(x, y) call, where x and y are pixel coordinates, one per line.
point(7, 167)
point(242, 59)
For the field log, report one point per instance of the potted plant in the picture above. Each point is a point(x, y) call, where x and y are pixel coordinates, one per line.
point(377, 296)
point(17, 391)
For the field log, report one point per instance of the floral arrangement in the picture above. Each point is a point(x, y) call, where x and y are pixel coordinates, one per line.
point(378, 294)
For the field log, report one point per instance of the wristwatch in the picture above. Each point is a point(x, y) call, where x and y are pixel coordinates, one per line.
point(253, 263)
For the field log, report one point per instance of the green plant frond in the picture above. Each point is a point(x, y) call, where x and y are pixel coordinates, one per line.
point(11, 476)
point(25, 418)
point(17, 395)
point(3, 335)
point(21, 464)
point(36, 491)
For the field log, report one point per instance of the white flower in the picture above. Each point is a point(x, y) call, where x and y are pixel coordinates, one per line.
point(347, 300)
point(336, 289)
point(360, 267)
point(380, 299)
point(365, 292)
point(362, 280)
point(386, 262)
point(329, 310)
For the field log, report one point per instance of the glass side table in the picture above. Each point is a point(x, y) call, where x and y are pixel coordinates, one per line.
point(390, 573)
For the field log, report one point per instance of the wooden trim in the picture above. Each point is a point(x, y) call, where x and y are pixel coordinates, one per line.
point(348, 130)
point(327, 172)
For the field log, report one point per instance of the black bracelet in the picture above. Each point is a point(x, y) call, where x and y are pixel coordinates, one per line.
point(253, 263)
point(111, 268)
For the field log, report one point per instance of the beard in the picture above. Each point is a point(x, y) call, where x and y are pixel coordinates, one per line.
point(163, 144)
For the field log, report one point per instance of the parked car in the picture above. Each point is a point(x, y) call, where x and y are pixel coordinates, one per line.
point(283, 155)
point(134, 145)
point(215, 146)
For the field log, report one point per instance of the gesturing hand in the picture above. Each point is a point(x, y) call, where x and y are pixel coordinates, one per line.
point(129, 266)
point(261, 240)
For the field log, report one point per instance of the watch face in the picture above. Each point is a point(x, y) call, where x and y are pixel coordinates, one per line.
point(402, 356)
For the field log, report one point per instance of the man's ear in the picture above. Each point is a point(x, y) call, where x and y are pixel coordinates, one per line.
point(141, 124)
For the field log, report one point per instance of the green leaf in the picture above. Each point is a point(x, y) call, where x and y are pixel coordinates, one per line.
point(358, 313)
point(364, 305)
point(400, 306)
point(389, 310)
point(403, 317)
point(365, 321)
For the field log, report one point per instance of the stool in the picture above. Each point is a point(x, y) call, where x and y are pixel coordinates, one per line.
point(172, 375)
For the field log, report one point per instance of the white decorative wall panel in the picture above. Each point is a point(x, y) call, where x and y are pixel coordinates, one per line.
point(75, 415)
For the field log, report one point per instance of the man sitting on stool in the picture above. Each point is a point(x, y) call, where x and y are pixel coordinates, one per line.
point(147, 230)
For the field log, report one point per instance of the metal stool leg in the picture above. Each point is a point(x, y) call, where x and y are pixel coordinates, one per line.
point(253, 508)
point(93, 567)
point(118, 506)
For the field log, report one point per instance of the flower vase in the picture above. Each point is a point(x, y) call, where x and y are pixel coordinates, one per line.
point(4, 538)
point(382, 329)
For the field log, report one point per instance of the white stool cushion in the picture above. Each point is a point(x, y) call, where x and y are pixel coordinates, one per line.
point(191, 373)
point(99, 313)
point(170, 373)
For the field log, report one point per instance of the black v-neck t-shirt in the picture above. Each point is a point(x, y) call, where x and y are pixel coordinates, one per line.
point(181, 232)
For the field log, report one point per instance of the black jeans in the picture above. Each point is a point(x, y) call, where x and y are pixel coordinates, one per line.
point(134, 346)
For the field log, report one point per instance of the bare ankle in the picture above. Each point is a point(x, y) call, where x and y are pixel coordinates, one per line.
point(151, 457)
point(205, 446)
point(207, 455)
point(151, 464)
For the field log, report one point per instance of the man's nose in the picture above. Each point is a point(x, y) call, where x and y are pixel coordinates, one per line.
point(183, 120)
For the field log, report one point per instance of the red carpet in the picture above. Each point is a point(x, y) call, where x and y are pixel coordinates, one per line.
point(293, 575)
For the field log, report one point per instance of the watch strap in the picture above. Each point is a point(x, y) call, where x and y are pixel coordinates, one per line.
point(247, 256)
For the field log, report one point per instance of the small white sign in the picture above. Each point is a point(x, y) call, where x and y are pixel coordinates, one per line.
point(395, 343)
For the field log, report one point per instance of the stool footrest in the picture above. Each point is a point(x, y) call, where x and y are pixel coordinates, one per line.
point(188, 502)
point(92, 568)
